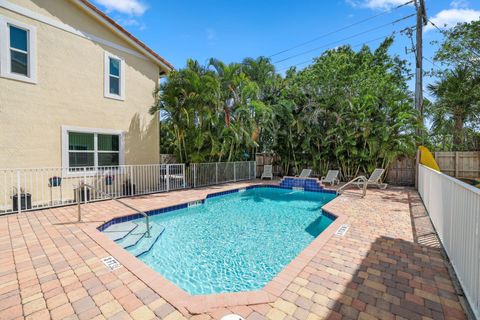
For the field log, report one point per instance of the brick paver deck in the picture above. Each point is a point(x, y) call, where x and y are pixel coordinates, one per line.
point(387, 266)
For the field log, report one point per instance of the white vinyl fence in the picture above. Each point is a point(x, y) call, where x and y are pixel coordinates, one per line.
point(38, 188)
point(454, 208)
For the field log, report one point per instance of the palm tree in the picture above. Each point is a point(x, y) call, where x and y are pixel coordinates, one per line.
point(458, 96)
point(348, 109)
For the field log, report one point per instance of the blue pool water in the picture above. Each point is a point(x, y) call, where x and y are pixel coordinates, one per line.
point(237, 242)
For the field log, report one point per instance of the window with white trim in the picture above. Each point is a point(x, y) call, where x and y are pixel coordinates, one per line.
point(17, 51)
point(114, 77)
point(92, 148)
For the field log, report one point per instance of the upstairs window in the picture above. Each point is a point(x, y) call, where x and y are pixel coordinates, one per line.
point(114, 77)
point(17, 52)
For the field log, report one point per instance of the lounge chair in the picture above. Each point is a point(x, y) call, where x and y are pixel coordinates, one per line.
point(374, 180)
point(332, 177)
point(267, 172)
point(305, 173)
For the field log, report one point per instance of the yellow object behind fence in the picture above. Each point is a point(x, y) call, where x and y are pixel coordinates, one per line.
point(427, 159)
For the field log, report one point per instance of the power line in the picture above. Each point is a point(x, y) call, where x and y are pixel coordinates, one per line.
point(353, 46)
point(435, 26)
point(427, 59)
point(344, 39)
point(341, 29)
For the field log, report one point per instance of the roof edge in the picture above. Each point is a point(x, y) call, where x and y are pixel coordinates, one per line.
point(109, 22)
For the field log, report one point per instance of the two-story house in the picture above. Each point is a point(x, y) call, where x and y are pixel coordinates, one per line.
point(75, 88)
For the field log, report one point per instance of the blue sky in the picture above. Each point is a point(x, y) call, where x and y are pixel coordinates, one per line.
point(232, 30)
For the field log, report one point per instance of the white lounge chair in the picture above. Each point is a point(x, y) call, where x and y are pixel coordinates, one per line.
point(374, 180)
point(305, 173)
point(331, 177)
point(267, 172)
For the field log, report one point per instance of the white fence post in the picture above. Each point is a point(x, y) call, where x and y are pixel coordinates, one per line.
point(167, 176)
point(194, 175)
point(234, 172)
point(85, 198)
point(19, 193)
point(183, 173)
point(130, 182)
point(216, 172)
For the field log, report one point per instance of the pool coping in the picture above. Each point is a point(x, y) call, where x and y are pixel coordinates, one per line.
point(197, 304)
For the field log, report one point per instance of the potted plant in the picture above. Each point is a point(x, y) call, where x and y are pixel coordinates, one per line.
point(109, 180)
point(128, 188)
point(25, 200)
point(54, 182)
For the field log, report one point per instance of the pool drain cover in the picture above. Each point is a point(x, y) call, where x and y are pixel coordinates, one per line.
point(111, 263)
point(342, 230)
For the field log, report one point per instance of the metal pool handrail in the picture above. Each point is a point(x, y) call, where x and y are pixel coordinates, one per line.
point(364, 181)
point(84, 185)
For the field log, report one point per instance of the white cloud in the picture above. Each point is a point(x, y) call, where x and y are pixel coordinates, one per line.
point(376, 4)
point(450, 17)
point(130, 7)
point(459, 4)
point(131, 22)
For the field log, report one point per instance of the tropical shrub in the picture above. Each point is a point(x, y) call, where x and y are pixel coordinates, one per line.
point(348, 110)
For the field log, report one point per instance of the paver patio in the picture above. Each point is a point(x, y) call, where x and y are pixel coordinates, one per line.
point(387, 266)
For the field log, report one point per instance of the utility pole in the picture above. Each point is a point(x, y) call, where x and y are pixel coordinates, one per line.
point(421, 22)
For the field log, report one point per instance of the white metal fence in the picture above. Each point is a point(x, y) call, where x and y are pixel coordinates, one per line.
point(38, 188)
point(454, 208)
point(206, 174)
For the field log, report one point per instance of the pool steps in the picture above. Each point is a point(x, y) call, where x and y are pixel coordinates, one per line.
point(119, 231)
point(145, 244)
point(132, 236)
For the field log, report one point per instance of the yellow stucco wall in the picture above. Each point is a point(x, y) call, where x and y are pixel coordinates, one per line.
point(70, 91)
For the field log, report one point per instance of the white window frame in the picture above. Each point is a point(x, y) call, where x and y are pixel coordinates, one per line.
point(107, 93)
point(65, 149)
point(5, 56)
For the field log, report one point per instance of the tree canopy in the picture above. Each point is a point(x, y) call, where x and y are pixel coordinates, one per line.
point(455, 114)
point(461, 46)
point(350, 110)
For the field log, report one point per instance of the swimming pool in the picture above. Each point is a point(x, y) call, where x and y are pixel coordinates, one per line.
point(235, 242)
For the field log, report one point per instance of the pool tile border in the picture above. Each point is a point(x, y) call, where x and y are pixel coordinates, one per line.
point(189, 304)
